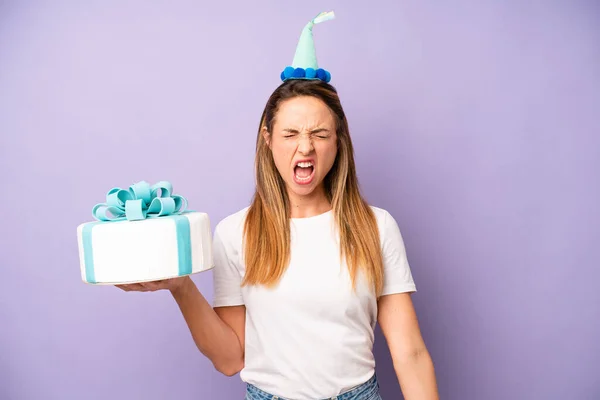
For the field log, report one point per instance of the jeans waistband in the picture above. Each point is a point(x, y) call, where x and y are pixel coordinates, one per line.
point(363, 391)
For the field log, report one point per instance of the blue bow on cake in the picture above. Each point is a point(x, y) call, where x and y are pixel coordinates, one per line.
point(140, 201)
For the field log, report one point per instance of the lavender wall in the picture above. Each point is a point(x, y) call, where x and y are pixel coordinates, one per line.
point(475, 124)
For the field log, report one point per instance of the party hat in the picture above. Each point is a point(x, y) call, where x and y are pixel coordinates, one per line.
point(304, 65)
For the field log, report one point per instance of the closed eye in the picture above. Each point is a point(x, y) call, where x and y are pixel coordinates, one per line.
point(321, 133)
point(288, 133)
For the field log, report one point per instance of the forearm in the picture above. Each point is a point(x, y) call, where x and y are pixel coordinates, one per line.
point(213, 337)
point(416, 376)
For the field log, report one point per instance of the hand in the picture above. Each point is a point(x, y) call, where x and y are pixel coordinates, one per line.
point(172, 285)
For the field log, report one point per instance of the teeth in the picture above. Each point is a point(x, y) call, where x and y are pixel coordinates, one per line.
point(305, 164)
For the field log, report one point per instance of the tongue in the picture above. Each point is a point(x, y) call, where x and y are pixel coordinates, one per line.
point(303, 172)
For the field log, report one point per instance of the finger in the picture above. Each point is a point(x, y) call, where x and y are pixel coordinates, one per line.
point(154, 285)
point(145, 285)
point(133, 287)
point(125, 288)
point(140, 287)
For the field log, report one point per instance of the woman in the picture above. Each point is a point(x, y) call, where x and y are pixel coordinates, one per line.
point(305, 272)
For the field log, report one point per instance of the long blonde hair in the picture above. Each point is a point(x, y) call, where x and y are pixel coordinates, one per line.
point(267, 224)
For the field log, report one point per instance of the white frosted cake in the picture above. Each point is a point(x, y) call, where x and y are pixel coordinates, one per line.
point(122, 250)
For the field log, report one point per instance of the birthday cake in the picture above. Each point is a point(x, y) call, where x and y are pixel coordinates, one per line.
point(142, 234)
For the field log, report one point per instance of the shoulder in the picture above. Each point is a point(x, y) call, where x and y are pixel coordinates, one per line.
point(380, 213)
point(232, 222)
point(383, 217)
point(232, 225)
point(388, 226)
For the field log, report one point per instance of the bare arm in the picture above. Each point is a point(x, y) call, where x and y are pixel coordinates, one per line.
point(218, 333)
point(412, 362)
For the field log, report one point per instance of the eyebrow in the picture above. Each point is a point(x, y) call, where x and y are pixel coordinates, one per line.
point(290, 130)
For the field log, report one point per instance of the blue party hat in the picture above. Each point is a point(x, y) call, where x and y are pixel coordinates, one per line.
point(304, 65)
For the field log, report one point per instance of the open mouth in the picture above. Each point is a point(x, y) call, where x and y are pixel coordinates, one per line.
point(304, 172)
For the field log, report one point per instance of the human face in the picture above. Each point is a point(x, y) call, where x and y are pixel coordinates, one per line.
point(304, 144)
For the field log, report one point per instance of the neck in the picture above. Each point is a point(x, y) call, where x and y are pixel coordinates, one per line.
point(308, 206)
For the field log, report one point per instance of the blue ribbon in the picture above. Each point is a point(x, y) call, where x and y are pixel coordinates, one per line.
point(140, 201)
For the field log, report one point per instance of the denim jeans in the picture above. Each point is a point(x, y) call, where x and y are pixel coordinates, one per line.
point(367, 391)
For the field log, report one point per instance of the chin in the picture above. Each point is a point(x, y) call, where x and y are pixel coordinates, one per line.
point(302, 191)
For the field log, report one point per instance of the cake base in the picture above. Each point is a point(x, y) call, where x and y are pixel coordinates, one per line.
point(106, 283)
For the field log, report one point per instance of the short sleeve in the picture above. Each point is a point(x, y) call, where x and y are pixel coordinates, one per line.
point(226, 276)
point(397, 274)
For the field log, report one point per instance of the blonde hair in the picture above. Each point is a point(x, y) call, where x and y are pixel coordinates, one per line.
point(267, 224)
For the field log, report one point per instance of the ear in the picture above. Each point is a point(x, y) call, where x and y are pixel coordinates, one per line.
point(266, 136)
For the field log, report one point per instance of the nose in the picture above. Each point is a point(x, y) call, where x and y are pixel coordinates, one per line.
point(305, 145)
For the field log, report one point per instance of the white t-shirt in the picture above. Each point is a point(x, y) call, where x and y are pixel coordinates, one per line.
point(311, 336)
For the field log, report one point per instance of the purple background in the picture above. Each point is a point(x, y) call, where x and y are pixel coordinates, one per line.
point(475, 124)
